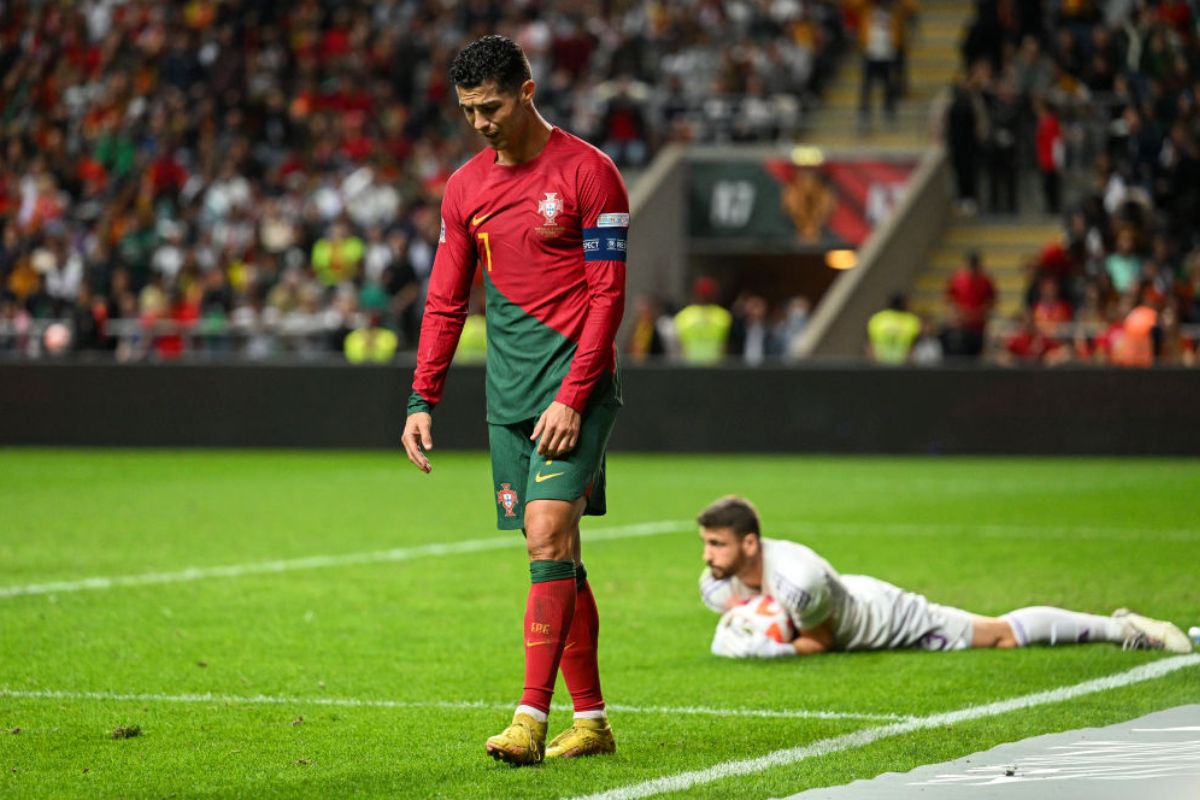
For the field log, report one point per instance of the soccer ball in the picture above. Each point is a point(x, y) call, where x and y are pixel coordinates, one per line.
point(760, 616)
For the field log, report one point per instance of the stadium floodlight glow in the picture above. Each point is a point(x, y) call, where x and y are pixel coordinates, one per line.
point(807, 156)
point(841, 259)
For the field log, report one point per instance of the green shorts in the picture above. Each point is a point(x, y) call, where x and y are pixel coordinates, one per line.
point(519, 474)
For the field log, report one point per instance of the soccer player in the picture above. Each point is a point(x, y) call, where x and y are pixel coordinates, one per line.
point(830, 611)
point(544, 216)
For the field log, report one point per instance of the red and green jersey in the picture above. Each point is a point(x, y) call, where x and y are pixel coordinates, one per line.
point(549, 236)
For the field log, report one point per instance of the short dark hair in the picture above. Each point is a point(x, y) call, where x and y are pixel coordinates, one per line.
point(491, 58)
point(731, 511)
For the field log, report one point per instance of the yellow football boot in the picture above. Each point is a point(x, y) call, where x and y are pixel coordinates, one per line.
point(521, 743)
point(586, 737)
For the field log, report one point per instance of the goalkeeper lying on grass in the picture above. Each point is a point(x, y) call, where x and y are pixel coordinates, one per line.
point(815, 609)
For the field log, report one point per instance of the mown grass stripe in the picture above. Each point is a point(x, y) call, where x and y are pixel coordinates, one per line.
point(351, 702)
point(497, 542)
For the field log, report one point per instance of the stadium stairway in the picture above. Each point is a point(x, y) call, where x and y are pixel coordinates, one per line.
point(933, 59)
point(1005, 245)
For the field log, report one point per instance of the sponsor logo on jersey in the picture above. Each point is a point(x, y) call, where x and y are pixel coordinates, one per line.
point(792, 596)
point(442, 235)
point(612, 221)
point(550, 206)
point(507, 498)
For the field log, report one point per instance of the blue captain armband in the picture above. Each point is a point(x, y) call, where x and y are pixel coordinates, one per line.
point(604, 244)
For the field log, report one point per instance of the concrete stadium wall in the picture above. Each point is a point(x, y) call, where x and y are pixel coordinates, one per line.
point(658, 231)
point(809, 409)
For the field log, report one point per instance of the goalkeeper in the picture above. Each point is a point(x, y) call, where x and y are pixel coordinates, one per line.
point(830, 611)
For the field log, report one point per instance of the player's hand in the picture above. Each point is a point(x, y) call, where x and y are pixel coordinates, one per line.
point(558, 429)
point(733, 640)
point(417, 439)
point(766, 647)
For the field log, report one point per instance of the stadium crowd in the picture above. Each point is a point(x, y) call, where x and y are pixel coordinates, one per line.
point(1107, 94)
point(265, 177)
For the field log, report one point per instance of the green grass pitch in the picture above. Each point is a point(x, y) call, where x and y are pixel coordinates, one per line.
point(988, 535)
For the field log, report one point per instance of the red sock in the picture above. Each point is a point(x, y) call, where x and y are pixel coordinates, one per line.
point(579, 666)
point(548, 612)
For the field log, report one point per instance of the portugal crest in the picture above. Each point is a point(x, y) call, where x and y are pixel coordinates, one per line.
point(507, 498)
point(549, 207)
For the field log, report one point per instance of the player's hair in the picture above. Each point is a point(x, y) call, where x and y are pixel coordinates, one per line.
point(491, 58)
point(731, 511)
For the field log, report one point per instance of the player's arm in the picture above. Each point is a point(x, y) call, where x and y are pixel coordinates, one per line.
point(716, 593)
point(802, 590)
point(811, 641)
point(604, 215)
point(446, 307)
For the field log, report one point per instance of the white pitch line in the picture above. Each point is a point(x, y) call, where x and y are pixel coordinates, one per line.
point(823, 747)
point(498, 542)
point(798, 530)
point(351, 702)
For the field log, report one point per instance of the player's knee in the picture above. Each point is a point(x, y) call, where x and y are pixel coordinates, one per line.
point(546, 542)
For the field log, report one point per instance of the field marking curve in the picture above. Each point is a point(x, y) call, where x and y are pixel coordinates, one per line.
point(498, 542)
point(352, 702)
point(822, 747)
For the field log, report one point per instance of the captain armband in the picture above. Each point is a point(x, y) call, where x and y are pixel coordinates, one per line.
point(607, 241)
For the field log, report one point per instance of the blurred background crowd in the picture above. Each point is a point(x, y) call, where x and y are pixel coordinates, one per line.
point(1099, 101)
point(264, 177)
point(275, 169)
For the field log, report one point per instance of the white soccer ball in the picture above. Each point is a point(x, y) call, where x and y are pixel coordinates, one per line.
point(760, 616)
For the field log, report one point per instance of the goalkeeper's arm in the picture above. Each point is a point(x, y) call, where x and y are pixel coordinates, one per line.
point(733, 642)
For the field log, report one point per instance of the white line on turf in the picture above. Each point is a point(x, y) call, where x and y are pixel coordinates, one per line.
point(779, 758)
point(351, 702)
point(799, 529)
point(498, 542)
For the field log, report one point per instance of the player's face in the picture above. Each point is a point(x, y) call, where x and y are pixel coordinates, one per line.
point(723, 552)
point(500, 117)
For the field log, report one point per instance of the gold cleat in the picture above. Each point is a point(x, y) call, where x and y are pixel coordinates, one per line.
point(586, 737)
point(521, 743)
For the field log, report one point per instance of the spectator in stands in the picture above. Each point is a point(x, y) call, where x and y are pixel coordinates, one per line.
point(652, 332)
point(927, 350)
point(752, 337)
point(231, 136)
point(336, 257)
point(1124, 266)
point(1134, 345)
point(795, 321)
point(1175, 347)
point(1051, 153)
point(892, 332)
point(371, 343)
point(966, 129)
point(882, 27)
point(971, 296)
point(703, 327)
point(625, 130)
point(1051, 313)
point(1004, 117)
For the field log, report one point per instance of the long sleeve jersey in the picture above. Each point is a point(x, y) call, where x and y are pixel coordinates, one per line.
point(549, 236)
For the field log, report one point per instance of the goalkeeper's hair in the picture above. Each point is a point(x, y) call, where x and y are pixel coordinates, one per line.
point(491, 58)
point(731, 511)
